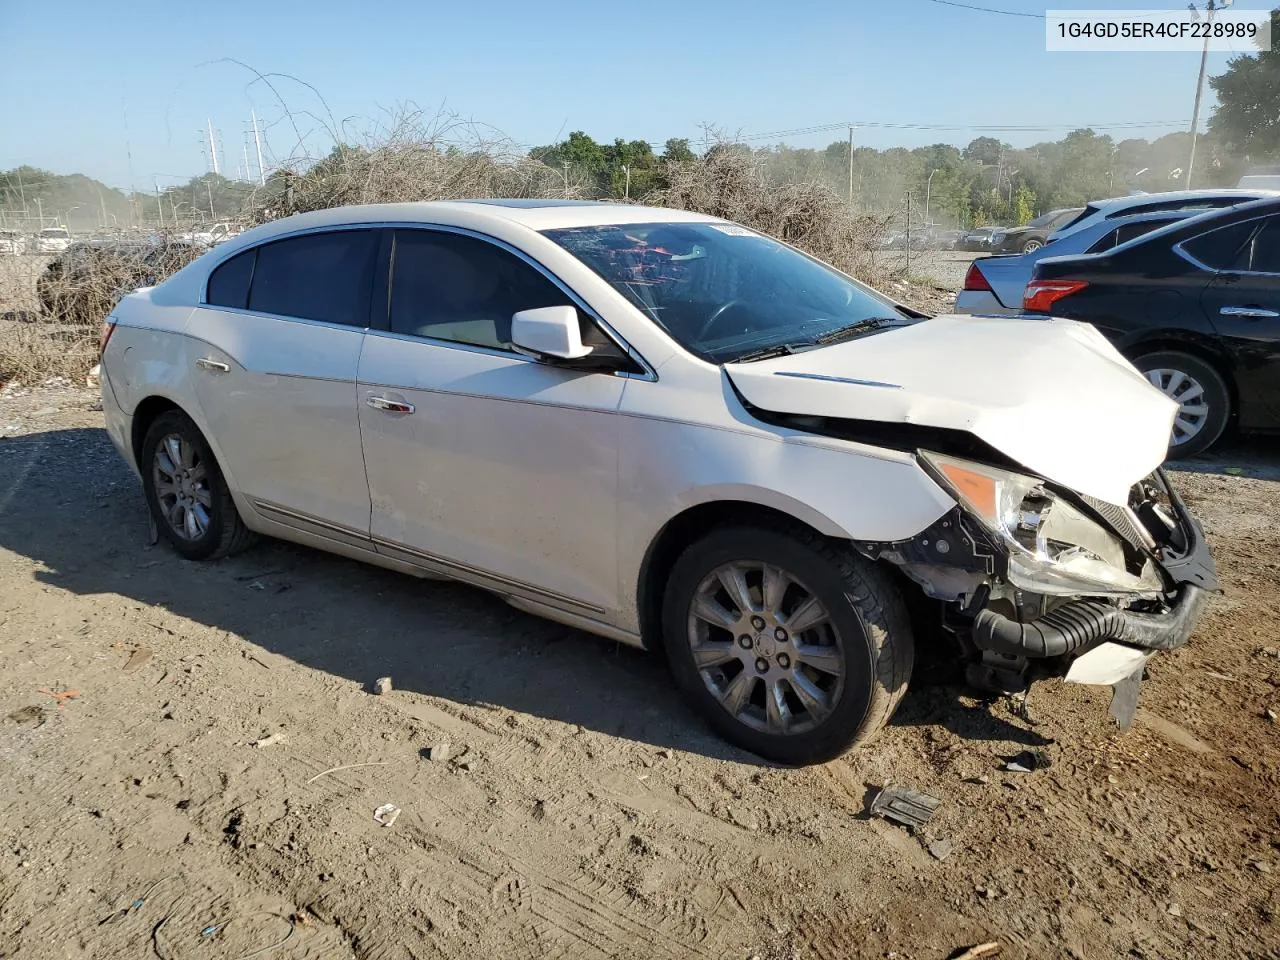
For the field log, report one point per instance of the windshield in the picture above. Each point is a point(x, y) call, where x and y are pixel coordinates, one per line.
point(722, 291)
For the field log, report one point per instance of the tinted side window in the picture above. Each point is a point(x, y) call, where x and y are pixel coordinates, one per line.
point(319, 276)
point(1266, 247)
point(452, 287)
point(1222, 249)
point(229, 284)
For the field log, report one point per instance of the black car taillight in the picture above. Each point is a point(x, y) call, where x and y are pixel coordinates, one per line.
point(1040, 295)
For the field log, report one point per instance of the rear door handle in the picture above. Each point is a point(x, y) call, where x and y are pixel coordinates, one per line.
point(213, 366)
point(1257, 313)
point(390, 406)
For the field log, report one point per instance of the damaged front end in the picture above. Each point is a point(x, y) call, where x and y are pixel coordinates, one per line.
point(1036, 580)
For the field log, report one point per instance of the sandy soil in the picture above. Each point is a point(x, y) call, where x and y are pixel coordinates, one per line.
point(584, 811)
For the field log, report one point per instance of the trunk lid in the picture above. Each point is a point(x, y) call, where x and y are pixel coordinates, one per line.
point(1052, 394)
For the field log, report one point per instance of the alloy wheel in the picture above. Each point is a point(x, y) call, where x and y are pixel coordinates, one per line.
point(766, 647)
point(1188, 393)
point(181, 483)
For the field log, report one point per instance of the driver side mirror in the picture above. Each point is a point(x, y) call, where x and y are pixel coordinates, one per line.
point(549, 333)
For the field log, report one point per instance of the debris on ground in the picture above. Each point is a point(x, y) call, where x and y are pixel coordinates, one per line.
point(437, 752)
point(386, 814)
point(138, 657)
point(268, 741)
point(989, 949)
point(908, 807)
point(1027, 761)
point(62, 696)
point(940, 849)
point(382, 685)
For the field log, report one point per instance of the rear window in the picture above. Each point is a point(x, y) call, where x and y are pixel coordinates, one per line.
point(1088, 211)
point(1126, 232)
point(319, 276)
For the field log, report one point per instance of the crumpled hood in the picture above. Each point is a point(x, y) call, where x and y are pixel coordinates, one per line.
point(1054, 395)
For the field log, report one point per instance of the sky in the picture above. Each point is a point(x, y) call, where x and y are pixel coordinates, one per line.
point(122, 92)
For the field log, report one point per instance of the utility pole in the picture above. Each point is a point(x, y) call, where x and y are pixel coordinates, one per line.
point(257, 143)
point(1211, 7)
point(851, 166)
point(908, 233)
point(213, 148)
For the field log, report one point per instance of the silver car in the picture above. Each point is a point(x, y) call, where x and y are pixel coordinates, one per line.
point(993, 286)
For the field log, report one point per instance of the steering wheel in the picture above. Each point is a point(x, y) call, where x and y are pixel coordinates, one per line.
point(716, 315)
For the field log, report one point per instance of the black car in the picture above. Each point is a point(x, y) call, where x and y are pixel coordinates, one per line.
point(1195, 306)
point(1035, 234)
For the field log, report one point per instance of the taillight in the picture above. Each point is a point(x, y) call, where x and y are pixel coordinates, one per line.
point(975, 279)
point(104, 334)
point(1040, 295)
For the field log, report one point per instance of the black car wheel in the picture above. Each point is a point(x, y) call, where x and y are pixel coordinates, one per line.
point(1204, 402)
point(789, 645)
point(187, 493)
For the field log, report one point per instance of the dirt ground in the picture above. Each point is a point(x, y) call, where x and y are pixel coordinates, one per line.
point(584, 812)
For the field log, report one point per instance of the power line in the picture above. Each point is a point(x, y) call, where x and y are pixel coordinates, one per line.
point(1003, 13)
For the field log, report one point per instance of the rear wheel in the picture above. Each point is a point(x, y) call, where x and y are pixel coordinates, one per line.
point(186, 491)
point(790, 646)
point(1204, 403)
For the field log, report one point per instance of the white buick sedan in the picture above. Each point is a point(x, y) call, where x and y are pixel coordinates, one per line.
point(669, 430)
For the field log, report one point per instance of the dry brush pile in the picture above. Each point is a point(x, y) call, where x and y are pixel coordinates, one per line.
point(52, 307)
point(64, 302)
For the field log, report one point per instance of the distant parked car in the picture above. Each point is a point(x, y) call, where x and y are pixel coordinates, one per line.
point(52, 240)
point(1033, 235)
point(1183, 201)
point(1195, 306)
point(89, 278)
point(979, 239)
point(1261, 178)
point(994, 285)
point(12, 242)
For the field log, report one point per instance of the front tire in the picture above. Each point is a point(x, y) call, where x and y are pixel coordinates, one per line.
point(790, 646)
point(186, 492)
point(1201, 394)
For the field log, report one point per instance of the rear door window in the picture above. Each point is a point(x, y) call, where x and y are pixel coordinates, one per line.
point(1266, 248)
point(317, 276)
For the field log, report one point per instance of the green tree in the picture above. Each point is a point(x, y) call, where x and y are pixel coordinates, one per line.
point(1024, 205)
point(1247, 118)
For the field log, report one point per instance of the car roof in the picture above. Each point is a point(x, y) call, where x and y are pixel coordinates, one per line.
point(1177, 196)
point(479, 214)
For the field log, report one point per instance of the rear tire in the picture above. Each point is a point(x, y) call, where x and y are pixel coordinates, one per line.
point(1201, 392)
point(186, 492)
point(814, 665)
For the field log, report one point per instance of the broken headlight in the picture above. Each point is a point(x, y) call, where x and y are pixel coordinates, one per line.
point(1053, 548)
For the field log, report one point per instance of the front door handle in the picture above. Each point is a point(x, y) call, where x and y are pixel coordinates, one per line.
point(214, 366)
point(1256, 313)
point(390, 406)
